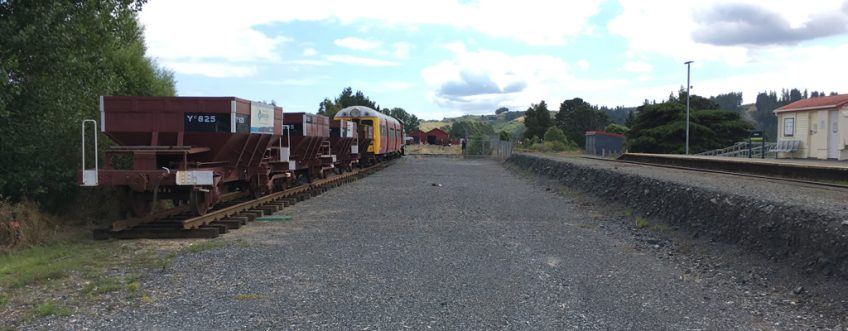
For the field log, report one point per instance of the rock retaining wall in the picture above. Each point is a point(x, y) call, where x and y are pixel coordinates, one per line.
point(809, 239)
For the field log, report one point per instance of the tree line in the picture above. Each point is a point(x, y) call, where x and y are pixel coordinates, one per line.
point(56, 59)
point(348, 98)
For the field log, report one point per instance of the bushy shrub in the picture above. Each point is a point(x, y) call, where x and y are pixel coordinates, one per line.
point(553, 147)
point(554, 134)
point(22, 224)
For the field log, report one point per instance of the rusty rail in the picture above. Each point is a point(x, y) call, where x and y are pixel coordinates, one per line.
point(169, 224)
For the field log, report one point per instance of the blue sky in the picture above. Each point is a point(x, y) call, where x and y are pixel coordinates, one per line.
point(446, 58)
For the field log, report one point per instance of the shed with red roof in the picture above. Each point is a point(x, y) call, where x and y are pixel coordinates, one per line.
point(418, 136)
point(437, 137)
point(818, 126)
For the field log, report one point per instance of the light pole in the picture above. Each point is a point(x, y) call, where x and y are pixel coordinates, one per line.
point(688, 86)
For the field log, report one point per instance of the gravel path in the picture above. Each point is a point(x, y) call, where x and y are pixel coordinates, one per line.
point(485, 250)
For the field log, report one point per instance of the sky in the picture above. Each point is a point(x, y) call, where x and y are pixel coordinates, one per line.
point(445, 58)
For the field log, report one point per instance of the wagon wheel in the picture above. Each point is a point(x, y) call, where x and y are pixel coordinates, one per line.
point(303, 179)
point(256, 190)
point(199, 202)
point(139, 204)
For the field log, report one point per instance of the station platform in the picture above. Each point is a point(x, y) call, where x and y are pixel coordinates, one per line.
point(814, 170)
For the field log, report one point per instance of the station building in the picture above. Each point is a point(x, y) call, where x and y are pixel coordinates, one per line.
point(818, 127)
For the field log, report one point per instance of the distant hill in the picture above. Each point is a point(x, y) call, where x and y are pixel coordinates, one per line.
point(511, 122)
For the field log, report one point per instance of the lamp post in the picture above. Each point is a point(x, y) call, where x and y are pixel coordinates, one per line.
point(688, 86)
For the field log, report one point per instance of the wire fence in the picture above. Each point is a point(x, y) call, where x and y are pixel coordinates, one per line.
point(488, 146)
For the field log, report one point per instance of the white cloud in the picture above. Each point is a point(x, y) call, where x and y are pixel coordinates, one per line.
point(401, 50)
point(385, 86)
point(295, 82)
point(310, 52)
point(357, 44)
point(308, 62)
point(666, 27)
point(216, 32)
point(456, 47)
point(210, 69)
point(638, 67)
point(482, 81)
point(583, 64)
point(219, 29)
point(358, 60)
point(820, 72)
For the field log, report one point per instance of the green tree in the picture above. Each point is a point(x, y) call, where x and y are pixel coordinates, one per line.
point(616, 128)
point(537, 119)
point(729, 101)
point(410, 121)
point(576, 117)
point(661, 128)
point(504, 136)
point(630, 119)
point(56, 59)
point(346, 98)
point(501, 110)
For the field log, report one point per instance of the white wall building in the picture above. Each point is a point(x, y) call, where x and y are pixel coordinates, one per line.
point(819, 124)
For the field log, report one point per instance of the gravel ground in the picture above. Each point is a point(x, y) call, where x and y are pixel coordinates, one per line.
point(480, 249)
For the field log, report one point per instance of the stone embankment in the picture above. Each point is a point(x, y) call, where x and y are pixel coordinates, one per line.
point(812, 237)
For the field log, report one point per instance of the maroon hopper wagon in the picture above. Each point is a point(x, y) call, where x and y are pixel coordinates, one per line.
point(306, 143)
point(187, 149)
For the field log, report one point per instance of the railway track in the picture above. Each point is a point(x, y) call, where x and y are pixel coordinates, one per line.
point(234, 211)
point(808, 183)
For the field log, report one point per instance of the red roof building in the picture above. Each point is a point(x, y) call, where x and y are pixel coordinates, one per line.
point(833, 101)
point(437, 137)
point(814, 128)
point(418, 136)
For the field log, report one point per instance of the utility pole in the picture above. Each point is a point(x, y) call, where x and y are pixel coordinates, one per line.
point(688, 87)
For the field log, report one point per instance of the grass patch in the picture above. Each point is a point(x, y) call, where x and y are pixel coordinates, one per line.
point(246, 297)
point(53, 261)
point(204, 246)
point(50, 308)
point(596, 215)
point(641, 223)
point(586, 226)
point(133, 284)
point(628, 212)
point(100, 286)
point(146, 299)
point(660, 228)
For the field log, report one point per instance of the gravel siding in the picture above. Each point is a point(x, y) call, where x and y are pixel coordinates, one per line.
point(437, 243)
point(801, 224)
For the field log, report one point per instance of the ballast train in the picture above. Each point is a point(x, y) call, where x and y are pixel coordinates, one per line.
point(194, 150)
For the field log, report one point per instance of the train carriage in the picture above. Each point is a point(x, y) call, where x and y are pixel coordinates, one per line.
point(384, 132)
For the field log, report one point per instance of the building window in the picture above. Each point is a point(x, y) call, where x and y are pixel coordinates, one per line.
point(788, 127)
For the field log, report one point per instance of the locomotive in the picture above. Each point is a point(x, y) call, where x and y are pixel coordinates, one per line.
point(196, 150)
